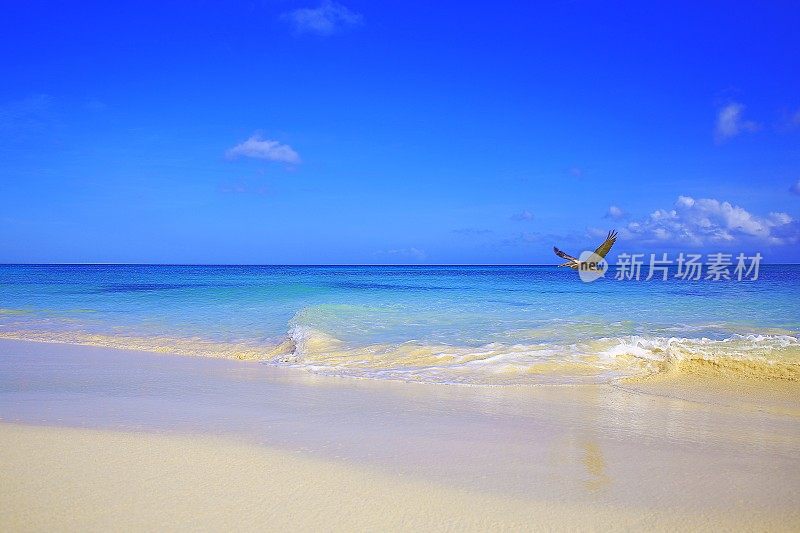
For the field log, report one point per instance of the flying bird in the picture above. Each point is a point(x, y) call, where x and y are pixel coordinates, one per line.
point(602, 250)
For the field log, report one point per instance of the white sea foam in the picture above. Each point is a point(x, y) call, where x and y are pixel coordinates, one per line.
point(593, 360)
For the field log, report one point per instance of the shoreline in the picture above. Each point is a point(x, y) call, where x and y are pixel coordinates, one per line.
point(718, 371)
point(617, 456)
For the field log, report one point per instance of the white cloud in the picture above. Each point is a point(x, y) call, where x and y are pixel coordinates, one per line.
point(795, 188)
point(260, 148)
point(327, 19)
point(705, 221)
point(615, 212)
point(730, 122)
point(522, 216)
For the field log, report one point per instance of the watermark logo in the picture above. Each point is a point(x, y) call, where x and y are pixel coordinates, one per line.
point(687, 266)
point(591, 266)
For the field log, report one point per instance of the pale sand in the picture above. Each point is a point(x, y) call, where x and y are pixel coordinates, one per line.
point(90, 480)
point(185, 443)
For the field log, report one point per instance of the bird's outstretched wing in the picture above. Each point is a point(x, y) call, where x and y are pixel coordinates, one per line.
point(604, 248)
point(564, 255)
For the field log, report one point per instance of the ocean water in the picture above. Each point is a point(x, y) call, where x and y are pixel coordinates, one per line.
point(493, 325)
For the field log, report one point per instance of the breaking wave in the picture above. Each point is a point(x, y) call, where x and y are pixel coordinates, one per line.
point(756, 356)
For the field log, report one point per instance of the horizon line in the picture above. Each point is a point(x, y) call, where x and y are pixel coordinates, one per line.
point(318, 264)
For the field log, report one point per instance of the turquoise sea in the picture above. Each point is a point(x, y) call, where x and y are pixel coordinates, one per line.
point(484, 325)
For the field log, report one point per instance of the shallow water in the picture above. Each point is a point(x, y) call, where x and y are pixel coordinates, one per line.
point(472, 325)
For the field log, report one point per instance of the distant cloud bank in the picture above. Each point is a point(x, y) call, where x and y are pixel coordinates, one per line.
point(260, 148)
point(706, 221)
point(329, 18)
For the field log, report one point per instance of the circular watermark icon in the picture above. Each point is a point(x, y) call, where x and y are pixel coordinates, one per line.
point(591, 266)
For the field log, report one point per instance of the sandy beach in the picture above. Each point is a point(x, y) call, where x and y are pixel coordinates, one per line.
point(94, 438)
point(91, 480)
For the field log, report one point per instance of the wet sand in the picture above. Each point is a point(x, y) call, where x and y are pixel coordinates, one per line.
point(96, 437)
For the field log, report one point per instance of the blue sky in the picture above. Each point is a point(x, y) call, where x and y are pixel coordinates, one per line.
point(396, 132)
